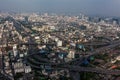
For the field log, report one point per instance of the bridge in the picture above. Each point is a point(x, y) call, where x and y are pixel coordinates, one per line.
point(35, 60)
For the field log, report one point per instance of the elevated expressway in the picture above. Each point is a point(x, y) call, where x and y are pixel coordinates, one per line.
point(66, 65)
point(35, 63)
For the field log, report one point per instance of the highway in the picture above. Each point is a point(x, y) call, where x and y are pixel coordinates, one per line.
point(66, 65)
point(41, 61)
point(75, 68)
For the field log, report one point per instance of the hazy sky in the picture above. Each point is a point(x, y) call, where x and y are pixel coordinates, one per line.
point(92, 7)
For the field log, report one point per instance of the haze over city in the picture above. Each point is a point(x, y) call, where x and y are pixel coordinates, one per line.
point(59, 40)
point(89, 7)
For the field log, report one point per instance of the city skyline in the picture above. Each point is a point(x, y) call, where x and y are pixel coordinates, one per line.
point(89, 7)
point(73, 43)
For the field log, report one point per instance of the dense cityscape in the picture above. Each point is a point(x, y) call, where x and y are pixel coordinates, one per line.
point(36, 46)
